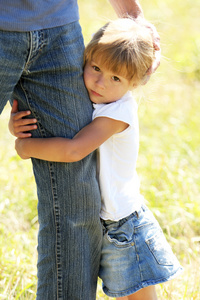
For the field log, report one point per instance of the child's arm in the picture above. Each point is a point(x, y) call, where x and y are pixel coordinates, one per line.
point(19, 126)
point(70, 150)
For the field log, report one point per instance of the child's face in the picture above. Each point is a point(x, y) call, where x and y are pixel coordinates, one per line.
point(103, 86)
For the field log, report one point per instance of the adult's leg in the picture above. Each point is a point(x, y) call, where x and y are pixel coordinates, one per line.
point(14, 50)
point(69, 240)
point(148, 293)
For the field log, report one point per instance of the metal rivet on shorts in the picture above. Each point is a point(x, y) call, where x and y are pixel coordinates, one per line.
point(132, 244)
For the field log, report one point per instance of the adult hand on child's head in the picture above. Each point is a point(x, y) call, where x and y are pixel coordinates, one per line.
point(19, 126)
point(156, 44)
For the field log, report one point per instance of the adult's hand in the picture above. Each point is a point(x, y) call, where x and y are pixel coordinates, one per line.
point(156, 44)
point(132, 8)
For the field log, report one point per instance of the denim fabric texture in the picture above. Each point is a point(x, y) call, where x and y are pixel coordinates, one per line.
point(43, 71)
point(135, 255)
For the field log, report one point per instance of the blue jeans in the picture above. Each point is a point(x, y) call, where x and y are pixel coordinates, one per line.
point(43, 71)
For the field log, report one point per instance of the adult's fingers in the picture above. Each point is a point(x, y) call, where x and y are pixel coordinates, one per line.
point(156, 62)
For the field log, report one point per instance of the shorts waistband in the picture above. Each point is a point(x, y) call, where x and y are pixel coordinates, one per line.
point(124, 220)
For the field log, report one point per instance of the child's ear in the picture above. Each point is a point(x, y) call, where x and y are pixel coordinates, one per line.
point(133, 85)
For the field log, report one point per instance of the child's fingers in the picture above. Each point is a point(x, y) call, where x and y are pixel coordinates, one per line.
point(16, 115)
point(23, 135)
point(14, 107)
point(22, 129)
point(24, 122)
point(28, 128)
point(21, 132)
point(20, 115)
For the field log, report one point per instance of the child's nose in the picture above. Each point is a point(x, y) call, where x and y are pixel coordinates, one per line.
point(101, 82)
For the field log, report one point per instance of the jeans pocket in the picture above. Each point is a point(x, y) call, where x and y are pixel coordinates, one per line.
point(160, 249)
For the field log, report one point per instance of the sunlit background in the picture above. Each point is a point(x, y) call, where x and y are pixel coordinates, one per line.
point(168, 165)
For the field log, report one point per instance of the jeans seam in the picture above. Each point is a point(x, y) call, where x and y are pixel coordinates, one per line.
point(36, 46)
point(58, 234)
point(30, 51)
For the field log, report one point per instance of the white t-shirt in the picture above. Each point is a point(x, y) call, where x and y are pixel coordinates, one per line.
point(119, 183)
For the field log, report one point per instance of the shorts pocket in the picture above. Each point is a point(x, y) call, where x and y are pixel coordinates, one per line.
point(121, 237)
point(160, 249)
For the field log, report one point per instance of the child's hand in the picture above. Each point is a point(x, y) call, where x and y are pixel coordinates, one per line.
point(19, 147)
point(17, 125)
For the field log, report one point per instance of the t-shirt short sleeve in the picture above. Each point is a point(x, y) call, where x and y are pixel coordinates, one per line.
point(124, 110)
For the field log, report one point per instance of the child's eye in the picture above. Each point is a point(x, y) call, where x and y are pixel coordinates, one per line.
point(115, 78)
point(96, 68)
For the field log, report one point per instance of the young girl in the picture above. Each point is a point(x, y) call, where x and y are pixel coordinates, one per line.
point(135, 253)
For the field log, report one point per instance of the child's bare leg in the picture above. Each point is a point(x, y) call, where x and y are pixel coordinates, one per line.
point(148, 293)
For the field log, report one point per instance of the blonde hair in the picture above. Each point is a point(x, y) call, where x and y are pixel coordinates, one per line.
point(124, 47)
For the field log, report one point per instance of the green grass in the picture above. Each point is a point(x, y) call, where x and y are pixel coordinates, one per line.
point(168, 165)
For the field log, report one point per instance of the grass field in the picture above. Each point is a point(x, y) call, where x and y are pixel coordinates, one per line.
point(169, 160)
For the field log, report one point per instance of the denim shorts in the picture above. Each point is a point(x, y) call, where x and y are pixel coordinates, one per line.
point(135, 255)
